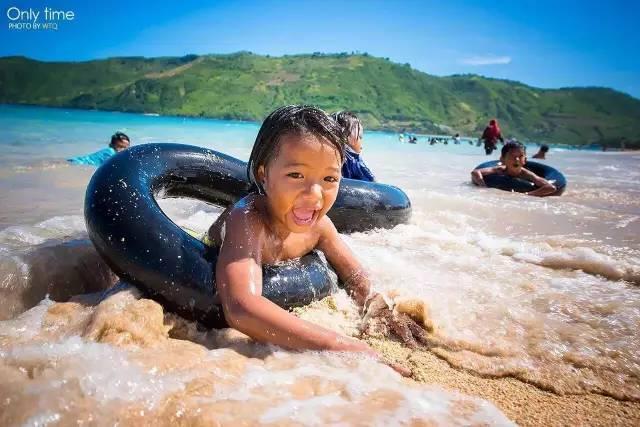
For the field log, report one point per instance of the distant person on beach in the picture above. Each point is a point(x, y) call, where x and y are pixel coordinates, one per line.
point(403, 135)
point(491, 135)
point(456, 139)
point(542, 152)
point(353, 166)
point(294, 168)
point(512, 161)
point(119, 142)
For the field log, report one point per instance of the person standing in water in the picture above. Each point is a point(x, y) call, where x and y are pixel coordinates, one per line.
point(119, 142)
point(542, 152)
point(353, 166)
point(491, 135)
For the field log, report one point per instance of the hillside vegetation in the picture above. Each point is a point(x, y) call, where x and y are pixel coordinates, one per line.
point(385, 94)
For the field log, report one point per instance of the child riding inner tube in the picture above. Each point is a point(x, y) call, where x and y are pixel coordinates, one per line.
point(507, 183)
point(145, 248)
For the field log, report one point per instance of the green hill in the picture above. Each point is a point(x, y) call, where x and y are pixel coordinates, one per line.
point(385, 94)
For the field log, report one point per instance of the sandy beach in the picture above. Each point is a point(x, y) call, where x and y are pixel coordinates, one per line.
point(523, 403)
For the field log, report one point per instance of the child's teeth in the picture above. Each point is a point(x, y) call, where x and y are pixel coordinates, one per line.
point(303, 214)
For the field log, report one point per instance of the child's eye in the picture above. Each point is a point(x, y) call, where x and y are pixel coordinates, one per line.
point(331, 179)
point(295, 175)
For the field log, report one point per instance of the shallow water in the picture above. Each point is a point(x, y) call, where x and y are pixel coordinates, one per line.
point(545, 290)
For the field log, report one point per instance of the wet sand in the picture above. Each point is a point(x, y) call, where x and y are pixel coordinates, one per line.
point(523, 403)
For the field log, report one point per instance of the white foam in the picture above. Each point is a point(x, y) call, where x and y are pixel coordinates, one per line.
point(103, 371)
point(26, 325)
point(43, 419)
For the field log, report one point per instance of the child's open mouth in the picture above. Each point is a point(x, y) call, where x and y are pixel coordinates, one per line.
point(302, 216)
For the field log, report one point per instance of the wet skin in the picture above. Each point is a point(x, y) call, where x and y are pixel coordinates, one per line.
point(300, 185)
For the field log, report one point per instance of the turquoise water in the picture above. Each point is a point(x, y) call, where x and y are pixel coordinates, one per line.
point(39, 133)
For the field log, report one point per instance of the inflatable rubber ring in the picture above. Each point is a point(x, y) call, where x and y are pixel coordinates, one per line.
point(145, 248)
point(507, 183)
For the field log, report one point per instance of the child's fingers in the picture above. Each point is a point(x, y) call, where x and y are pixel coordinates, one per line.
point(400, 327)
point(405, 372)
point(375, 305)
point(420, 333)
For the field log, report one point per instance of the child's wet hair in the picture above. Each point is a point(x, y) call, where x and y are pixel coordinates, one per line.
point(512, 145)
point(349, 122)
point(118, 136)
point(291, 119)
point(544, 148)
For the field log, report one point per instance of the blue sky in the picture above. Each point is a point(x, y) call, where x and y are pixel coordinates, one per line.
point(541, 43)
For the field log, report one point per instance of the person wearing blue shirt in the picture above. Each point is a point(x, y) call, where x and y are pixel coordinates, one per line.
point(353, 166)
point(119, 142)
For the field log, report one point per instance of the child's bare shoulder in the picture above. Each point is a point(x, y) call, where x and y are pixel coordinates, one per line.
point(244, 219)
point(325, 229)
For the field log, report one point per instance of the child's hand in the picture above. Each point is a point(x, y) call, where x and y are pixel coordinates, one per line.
point(403, 326)
point(405, 372)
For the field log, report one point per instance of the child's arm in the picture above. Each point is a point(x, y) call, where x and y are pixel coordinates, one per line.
point(358, 286)
point(344, 262)
point(545, 188)
point(367, 173)
point(478, 174)
point(239, 285)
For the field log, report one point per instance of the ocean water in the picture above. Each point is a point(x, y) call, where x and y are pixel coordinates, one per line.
point(541, 289)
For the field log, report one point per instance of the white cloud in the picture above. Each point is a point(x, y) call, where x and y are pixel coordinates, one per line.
point(486, 60)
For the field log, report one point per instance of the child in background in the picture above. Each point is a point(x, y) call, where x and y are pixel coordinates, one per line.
point(542, 152)
point(353, 166)
point(513, 158)
point(295, 168)
point(119, 142)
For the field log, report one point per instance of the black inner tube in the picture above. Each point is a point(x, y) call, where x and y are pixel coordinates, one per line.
point(144, 247)
point(507, 183)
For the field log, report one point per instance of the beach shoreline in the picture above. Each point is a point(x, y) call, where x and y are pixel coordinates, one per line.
point(533, 291)
point(381, 130)
point(523, 403)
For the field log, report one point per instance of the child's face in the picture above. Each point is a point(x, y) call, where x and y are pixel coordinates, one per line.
point(301, 182)
point(120, 145)
point(355, 141)
point(514, 161)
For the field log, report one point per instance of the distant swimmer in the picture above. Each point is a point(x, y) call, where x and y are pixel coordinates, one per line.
point(542, 152)
point(456, 139)
point(119, 142)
